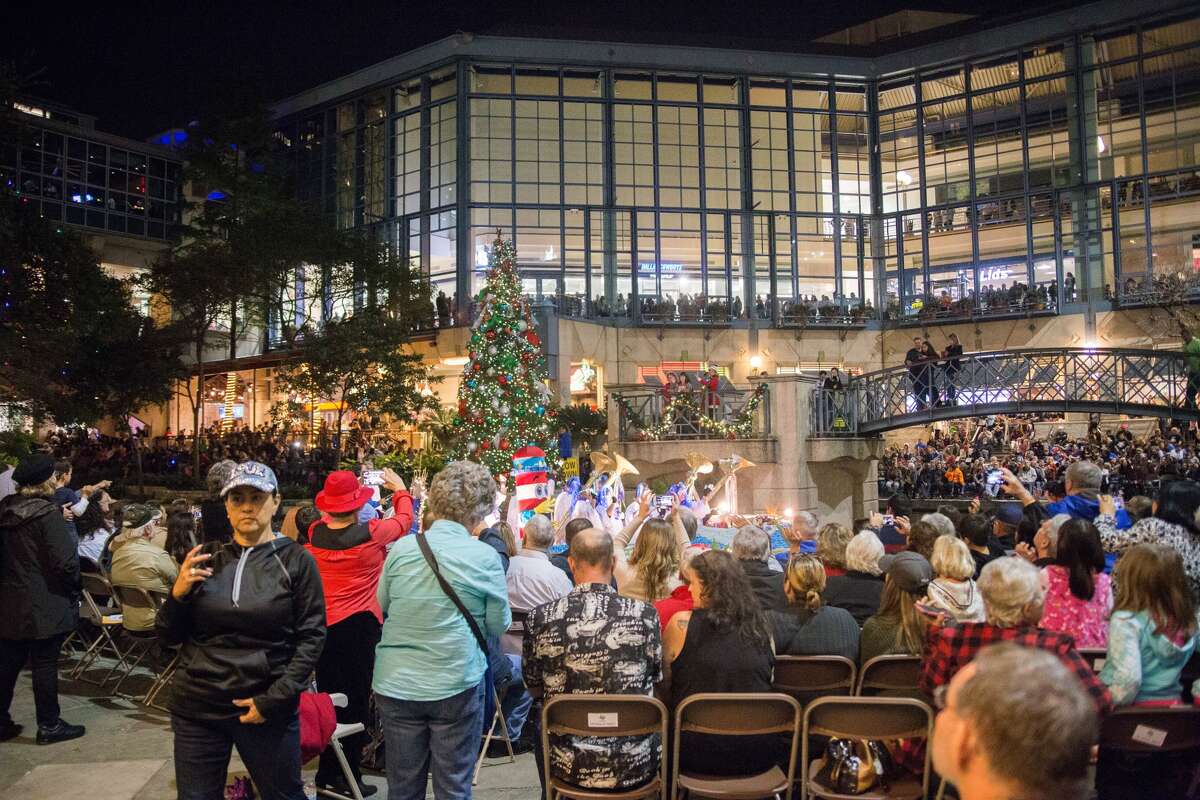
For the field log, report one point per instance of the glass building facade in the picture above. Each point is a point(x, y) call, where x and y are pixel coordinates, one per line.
point(94, 181)
point(1043, 177)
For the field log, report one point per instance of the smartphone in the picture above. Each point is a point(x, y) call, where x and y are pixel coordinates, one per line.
point(993, 482)
point(663, 505)
point(372, 477)
point(1119, 502)
point(889, 519)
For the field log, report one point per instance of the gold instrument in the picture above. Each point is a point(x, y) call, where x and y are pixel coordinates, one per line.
point(697, 465)
point(734, 463)
point(601, 463)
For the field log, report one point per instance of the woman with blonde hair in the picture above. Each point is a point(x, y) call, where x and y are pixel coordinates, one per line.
point(651, 571)
point(808, 627)
point(831, 547)
point(954, 590)
point(1153, 630)
point(859, 589)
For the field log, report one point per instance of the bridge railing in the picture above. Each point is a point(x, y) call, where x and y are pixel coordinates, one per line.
point(647, 413)
point(1137, 382)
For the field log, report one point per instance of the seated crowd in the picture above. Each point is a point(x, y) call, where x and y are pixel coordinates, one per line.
point(410, 595)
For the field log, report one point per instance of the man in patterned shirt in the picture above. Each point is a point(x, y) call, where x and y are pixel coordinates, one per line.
point(1012, 601)
point(593, 641)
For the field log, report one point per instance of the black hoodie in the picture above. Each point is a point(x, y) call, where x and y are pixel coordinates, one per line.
point(254, 629)
point(39, 570)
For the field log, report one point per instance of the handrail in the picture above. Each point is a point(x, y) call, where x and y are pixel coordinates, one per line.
point(1134, 381)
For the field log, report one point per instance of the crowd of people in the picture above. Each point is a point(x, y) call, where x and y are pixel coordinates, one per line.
point(437, 598)
point(957, 459)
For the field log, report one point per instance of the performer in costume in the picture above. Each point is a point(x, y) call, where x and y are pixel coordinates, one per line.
point(531, 487)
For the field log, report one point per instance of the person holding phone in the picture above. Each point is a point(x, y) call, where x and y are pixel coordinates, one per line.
point(250, 618)
point(349, 555)
point(651, 572)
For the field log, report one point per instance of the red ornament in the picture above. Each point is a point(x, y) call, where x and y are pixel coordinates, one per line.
point(462, 407)
point(533, 339)
point(504, 444)
point(477, 367)
point(483, 445)
point(491, 335)
point(503, 380)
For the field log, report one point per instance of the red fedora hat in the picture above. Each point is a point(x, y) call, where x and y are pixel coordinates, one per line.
point(342, 494)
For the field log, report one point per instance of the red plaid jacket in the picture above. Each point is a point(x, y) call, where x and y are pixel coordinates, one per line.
point(952, 647)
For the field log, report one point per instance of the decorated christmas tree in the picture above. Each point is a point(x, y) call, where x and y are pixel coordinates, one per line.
point(503, 400)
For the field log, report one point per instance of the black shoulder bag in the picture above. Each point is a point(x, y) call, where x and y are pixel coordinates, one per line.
point(449, 592)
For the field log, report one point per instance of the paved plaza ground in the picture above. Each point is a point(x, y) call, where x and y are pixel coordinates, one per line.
point(126, 754)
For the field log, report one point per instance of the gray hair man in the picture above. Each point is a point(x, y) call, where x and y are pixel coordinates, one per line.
point(532, 579)
point(1013, 723)
point(802, 537)
point(751, 546)
point(1045, 542)
point(1082, 481)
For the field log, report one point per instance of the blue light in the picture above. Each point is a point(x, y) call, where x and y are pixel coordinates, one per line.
point(77, 198)
point(217, 194)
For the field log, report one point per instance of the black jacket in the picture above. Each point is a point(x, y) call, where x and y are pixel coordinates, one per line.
point(857, 592)
point(254, 629)
point(766, 583)
point(828, 631)
point(39, 570)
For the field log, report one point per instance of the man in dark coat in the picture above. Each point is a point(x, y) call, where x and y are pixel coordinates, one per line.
point(39, 592)
point(752, 548)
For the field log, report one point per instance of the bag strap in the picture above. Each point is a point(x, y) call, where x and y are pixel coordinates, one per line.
point(448, 590)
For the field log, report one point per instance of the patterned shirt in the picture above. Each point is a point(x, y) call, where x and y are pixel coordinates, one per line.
point(953, 646)
point(594, 641)
point(1085, 620)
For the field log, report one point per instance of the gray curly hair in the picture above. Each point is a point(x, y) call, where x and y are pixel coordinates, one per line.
point(463, 492)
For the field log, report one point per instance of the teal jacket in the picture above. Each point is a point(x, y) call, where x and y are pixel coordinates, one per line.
point(1142, 664)
point(426, 650)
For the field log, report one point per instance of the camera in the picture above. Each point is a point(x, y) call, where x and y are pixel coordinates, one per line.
point(663, 504)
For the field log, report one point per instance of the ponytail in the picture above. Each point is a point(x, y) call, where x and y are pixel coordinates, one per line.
point(812, 600)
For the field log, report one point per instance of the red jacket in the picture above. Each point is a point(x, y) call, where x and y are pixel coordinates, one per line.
point(680, 600)
point(350, 560)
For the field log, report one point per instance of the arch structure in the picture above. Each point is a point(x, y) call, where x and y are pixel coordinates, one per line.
point(1141, 383)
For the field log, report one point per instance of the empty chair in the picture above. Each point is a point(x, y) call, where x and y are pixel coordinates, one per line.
point(889, 675)
point(734, 715)
point(106, 618)
point(141, 643)
point(808, 677)
point(343, 730)
point(1151, 730)
point(1094, 656)
point(866, 718)
point(614, 715)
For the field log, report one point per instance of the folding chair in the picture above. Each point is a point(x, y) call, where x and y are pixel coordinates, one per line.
point(497, 719)
point(603, 715)
point(142, 642)
point(808, 677)
point(343, 730)
point(104, 618)
point(737, 714)
point(1094, 656)
point(866, 718)
point(895, 673)
point(1151, 730)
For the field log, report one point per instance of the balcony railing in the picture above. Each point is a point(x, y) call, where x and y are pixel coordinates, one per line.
point(646, 413)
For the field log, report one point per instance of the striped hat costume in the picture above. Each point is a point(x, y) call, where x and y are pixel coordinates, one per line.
point(531, 481)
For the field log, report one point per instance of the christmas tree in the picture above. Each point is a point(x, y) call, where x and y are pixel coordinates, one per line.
point(503, 399)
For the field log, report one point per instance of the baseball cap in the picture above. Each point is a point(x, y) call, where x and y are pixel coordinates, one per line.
point(1009, 513)
point(910, 571)
point(253, 474)
point(135, 515)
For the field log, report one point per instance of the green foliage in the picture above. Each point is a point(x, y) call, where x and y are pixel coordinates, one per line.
point(583, 421)
point(413, 461)
point(503, 400)
point(16, 445)
point(363, 361)
point(74, 349)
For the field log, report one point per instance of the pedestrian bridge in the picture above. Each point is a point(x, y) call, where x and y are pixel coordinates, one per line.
point(1140, 383)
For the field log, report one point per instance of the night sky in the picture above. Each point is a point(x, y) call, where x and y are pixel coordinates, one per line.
point(145, 67)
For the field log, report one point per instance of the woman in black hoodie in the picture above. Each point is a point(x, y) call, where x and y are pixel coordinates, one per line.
point(250, 616)
point(39, 592)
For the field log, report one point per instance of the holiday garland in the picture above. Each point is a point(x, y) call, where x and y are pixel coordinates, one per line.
point(503, 399)
point(684, 405)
